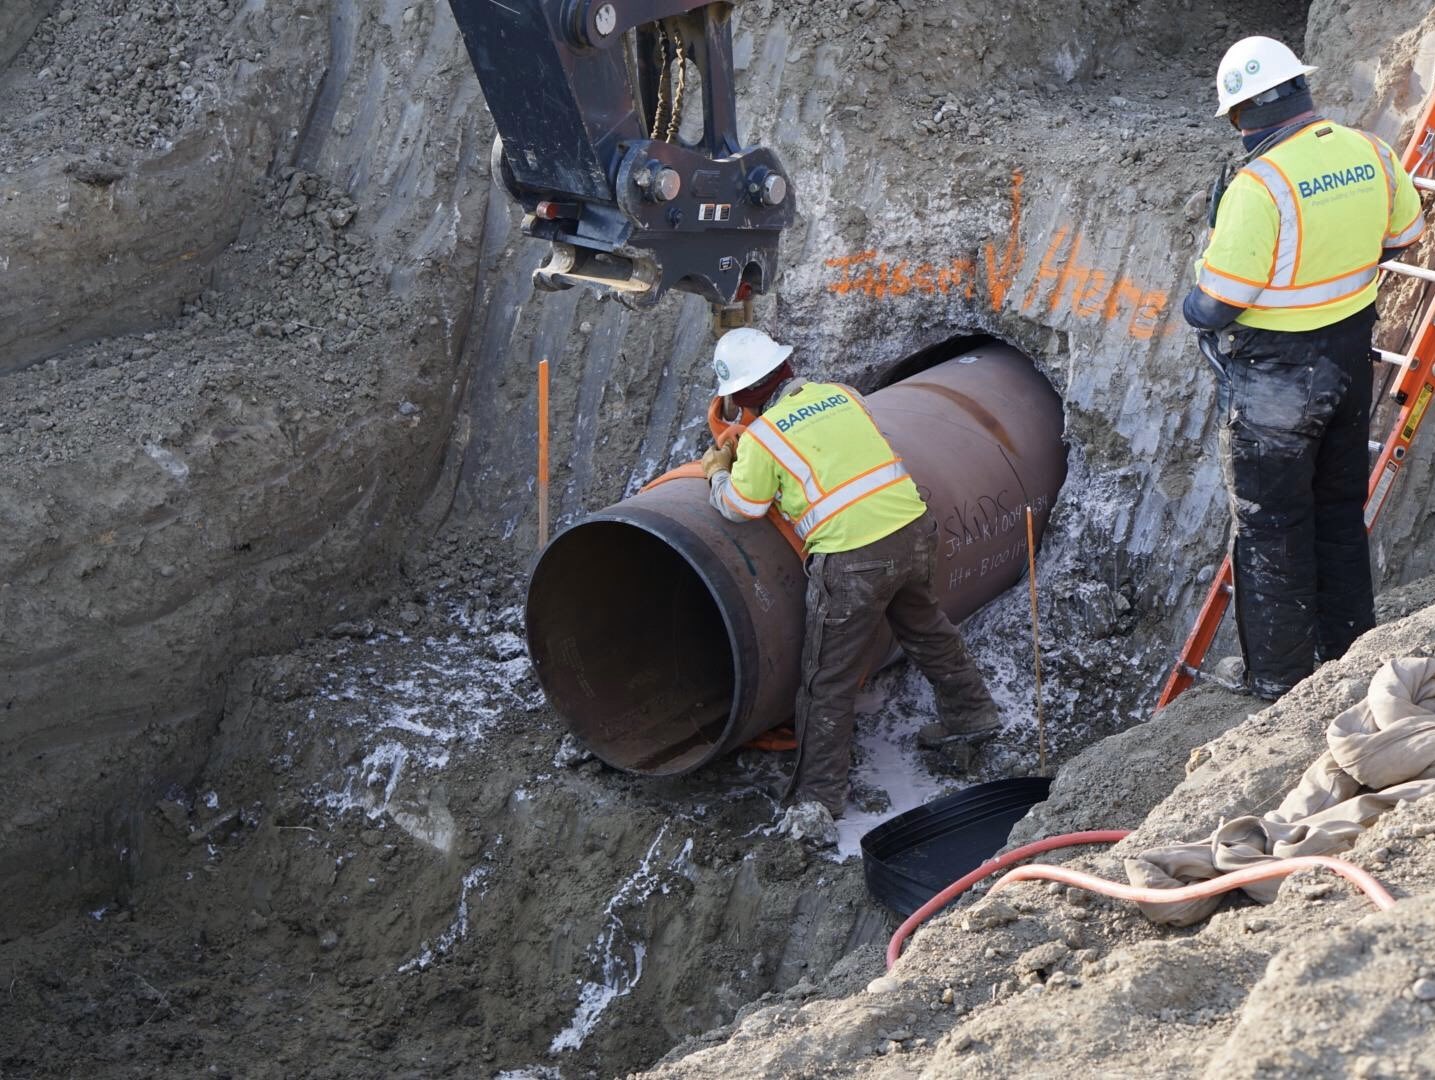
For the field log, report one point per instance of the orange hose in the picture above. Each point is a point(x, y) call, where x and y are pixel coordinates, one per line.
point(724, 433)
point(779, 738)
point(691, 471)
point(1363, 880)
point(1001, 862)
point(1225, 883)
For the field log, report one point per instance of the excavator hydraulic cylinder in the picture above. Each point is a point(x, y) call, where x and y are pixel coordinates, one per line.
point(665, 635)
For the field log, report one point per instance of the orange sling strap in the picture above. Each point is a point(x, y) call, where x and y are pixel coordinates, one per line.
point(724, 433)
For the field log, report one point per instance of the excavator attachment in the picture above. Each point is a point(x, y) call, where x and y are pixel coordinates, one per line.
point(595, 105)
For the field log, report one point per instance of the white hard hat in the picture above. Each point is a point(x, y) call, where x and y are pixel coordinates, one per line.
point(744, 356)
point(1252, 66)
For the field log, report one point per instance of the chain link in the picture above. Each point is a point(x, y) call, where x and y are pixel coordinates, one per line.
point(679, 89)
point(668, 112)
point(660, 120)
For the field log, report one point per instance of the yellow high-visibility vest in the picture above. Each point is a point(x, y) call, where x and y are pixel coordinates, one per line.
point(1300, 230)
point(818, 455)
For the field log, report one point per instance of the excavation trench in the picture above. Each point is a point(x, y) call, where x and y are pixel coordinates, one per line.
point(666, 636)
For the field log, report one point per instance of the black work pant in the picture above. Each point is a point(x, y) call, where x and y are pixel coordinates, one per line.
point(1296, 463)
point(849, 594)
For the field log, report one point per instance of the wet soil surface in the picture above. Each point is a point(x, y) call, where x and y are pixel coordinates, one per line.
point(395, 860)
point(396, 864)
point(388, 865)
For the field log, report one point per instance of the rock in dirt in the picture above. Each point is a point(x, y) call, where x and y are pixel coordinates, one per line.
point(94, 173)
point(1043, 957)
point(571, 753)
point(986, 914)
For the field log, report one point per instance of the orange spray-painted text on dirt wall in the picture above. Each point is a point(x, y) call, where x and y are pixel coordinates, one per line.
point(1063, 281)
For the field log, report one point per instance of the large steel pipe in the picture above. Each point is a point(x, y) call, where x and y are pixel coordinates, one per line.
point(665, 635)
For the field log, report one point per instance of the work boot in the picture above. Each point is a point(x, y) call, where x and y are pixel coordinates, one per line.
point(959, 741)
point(1229, 673)
point(811, 822)
point(936, 735)
point(971, 725)
point(964, 703)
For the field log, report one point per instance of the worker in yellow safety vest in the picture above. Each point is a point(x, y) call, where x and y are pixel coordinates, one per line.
point(1289, 276)
point(817, 455)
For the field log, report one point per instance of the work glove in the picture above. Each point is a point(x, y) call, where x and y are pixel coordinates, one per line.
point(717, 459)
point(1209, 342)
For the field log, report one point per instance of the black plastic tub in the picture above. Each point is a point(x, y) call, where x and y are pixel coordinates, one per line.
point(915, 855)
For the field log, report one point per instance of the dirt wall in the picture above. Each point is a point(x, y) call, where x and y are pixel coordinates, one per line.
point(267, 322)
point(18, 22)
point(238, 264)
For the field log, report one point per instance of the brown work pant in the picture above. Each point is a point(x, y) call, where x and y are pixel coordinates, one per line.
point(848, 595)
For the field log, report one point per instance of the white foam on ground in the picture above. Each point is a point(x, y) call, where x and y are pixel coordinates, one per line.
point(411, 726)
point(619, 958)
point(382, 767)
point(890, 761)
point(456, 931)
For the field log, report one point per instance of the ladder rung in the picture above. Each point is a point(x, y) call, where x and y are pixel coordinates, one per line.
point(1397, 359)
point(1406, 270)
point(1375, 447)
point(1190, 672)
point(1228, 589)
point(1423, 184)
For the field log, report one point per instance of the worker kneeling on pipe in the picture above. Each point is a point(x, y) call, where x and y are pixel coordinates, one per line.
point(818, 457)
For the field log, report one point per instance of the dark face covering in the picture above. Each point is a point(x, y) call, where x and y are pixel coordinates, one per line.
point(1261, 121)
point(755, 397)
point(1253, 140)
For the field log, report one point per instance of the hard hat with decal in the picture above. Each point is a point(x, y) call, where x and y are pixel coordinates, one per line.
point(1252, 66)
point(744, 356)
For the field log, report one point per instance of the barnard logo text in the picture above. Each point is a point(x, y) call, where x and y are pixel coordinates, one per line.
point(1360, 174)
point(786, 423)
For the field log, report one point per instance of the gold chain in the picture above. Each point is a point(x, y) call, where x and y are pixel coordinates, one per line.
point(660, 108)
point(677, 117)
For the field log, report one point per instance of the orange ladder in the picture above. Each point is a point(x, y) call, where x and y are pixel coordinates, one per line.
point(1413, 392)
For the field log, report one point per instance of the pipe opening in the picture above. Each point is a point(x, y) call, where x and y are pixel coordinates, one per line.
point(645, 675)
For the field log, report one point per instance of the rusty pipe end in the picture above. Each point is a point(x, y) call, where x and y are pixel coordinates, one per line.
point(640, 641)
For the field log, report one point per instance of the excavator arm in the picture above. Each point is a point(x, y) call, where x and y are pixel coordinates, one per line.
point(590, 98)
